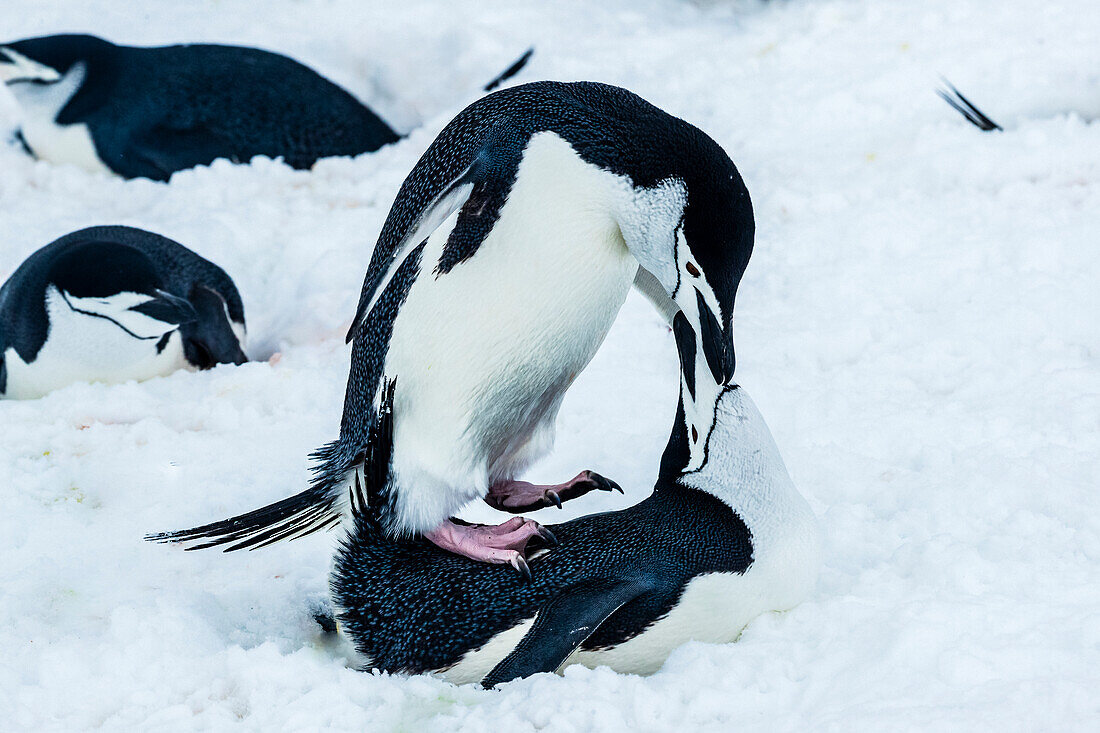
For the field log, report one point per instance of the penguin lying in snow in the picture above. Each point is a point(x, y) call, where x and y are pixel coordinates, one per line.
point(149, 112)
point(505, 258)
point(110, 304)
point(710, 549)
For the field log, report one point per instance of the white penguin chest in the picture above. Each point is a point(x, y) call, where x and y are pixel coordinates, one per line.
point(484, 353)
point(64, 144)
point(113, 345)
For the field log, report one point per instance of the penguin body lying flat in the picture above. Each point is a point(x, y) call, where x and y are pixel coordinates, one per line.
point(111, 304)
point(148, 112)
point(702, 556)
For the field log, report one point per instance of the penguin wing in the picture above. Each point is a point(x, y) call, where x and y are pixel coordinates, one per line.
point(562, 626)
point(478, 192)
point(456, 193)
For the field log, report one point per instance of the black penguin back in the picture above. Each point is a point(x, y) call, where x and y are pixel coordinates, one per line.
point(412, 607)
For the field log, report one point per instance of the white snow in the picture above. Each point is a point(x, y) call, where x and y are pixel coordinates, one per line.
point(919, 324)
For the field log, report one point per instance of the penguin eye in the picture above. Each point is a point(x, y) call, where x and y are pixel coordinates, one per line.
point(692, 269)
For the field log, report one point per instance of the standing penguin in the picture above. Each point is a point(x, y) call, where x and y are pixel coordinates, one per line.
point(709, 550)
point(110, 304)
point(149, 112)
point(505, 258)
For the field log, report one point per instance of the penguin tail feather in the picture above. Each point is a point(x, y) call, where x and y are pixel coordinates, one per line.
point(966, 108)
point(321, 505)
point(511, 71)
point(318, 507)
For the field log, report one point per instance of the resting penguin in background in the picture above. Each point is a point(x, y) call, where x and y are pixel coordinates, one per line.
point(505, 258)
point(149, 112)
point(710, 549)
point(110, 304)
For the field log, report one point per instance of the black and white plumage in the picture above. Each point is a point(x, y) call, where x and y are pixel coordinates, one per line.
point(110, 304)
point(506, 256)
point(149, 112)
point(709, 550)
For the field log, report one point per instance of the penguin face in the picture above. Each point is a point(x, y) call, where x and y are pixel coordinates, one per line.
point(213, 337)
point(46, 60)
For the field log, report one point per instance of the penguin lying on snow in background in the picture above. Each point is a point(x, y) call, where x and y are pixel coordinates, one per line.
point(505, 258)
point(110, 304)
point(710, 549)
point(149, 112)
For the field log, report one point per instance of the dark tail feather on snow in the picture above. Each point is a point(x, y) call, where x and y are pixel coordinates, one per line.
point(316, 508)
point(966, 108)
point(321, 505)
point(511, 71)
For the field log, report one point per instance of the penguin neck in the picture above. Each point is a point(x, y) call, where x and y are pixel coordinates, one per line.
point(742, 467)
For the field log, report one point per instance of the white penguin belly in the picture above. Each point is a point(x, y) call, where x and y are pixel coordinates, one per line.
point(85, 348)
point(65, 144)
point(484, 353)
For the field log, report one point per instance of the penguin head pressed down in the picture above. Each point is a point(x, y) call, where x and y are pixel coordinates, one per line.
point(701, 215)
point(213, 337)
point(95, 275)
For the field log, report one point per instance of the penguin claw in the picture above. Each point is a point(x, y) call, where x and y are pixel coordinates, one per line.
point(602, 483)
point(553, 498)
point(520, 565)
point(548, 536)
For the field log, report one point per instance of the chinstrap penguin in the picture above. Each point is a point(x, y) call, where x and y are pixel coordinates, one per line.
point(110, 304)
point(709, 550)
point(149, 112)
point(505, 258)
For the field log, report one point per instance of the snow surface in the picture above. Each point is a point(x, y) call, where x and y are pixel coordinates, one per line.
point(919, 324)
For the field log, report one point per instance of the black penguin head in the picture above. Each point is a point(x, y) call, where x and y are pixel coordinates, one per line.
point(48, 59)
point(712, 243)
point(212, 338)
point(701, 215)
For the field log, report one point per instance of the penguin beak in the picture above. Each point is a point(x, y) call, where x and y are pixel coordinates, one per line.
point(717, 345)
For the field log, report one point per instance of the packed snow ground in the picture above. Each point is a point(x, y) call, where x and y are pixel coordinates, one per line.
point(919, 324)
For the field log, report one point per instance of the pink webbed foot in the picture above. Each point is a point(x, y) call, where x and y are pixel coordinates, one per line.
point(497, 544)
point(520, 496)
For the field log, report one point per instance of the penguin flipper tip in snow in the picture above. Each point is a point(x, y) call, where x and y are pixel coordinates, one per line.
point(966, 108)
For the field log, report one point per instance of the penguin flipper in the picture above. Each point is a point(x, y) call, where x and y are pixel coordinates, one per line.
point(450, 200)
point(478, 192)
point(168, 308)
point(562, 626)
